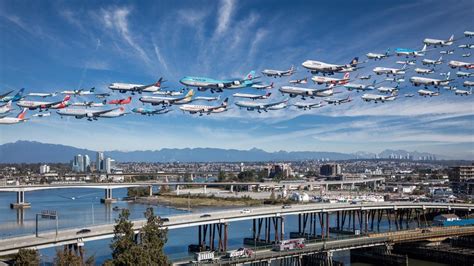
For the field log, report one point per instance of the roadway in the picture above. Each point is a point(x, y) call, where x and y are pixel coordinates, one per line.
point(68, 236)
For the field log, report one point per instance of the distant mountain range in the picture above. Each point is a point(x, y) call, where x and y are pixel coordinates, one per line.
point(36, 152)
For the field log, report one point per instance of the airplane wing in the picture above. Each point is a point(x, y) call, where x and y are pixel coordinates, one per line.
point(100, 112)
point(5, 94)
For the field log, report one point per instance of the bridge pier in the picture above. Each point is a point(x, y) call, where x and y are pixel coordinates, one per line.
point(20, 201)
point(150, 191)
point(108, 197)
point(204, 189)
point(177, 190)
point(208, 235)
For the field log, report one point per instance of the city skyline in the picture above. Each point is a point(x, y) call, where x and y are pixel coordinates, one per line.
point(93, 44)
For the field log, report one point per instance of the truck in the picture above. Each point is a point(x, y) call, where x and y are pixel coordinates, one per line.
point(204, 256)
point(289, 244)
point(239, 253)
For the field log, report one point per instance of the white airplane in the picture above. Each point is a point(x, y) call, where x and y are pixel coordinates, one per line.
point(128, 87)
point(32, 105)
point(101, 95)
point(394, 79)
point(303, 92)
point(390, 90)
point(327, 80)
point(169, 93)
point(251, 105)
point(150, 111)
point(299, 81)
point(365, 77)
point(6, 108)
point(89, 104)
point(458, 64)
point(205, 98)
point(425, 93)
point(252, 96)
point(278, 73)
point(448, 52)
point(450, 88)
point(377, 56)
point(368, 97)
point(432, 62)
point(338, 101)
point(409, 95)
point(360, 87)
point(320, 67)
point(406, 62)
point(263, 86)
point(410, 52)
point(205, 109)
point(390, 71)
point(469, 34)
point(280, 106)
point(468, 83)
point(424, 71)
point(306, 105)
point(466, 55)
point(417, 81)
point(154, 100)
point(80, 92)
point(92, 114)
point(14, 120)
point(42, 114)
point(436, 42)
point(463, 92)
point(41, 94)
point(466, 46)
point(462, 74)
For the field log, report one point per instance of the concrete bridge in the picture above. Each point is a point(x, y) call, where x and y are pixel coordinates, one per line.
point(266, 218)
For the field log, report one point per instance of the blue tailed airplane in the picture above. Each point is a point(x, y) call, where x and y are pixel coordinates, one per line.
point(410, 52)
point(14, 98)
point(150, 111)
point(203, 84)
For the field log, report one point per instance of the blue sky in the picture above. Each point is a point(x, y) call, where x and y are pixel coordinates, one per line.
point(52, 46)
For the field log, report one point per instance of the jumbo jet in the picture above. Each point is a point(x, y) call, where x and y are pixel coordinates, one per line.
point(410, 52)
point(5, 109)
point(150, 111)
point(303, 92)
point(15, 98)
point(80, 92)
point(376, 56)
point(468, 83)
point(458, 64)
point(437, 42)
point(92, 114)
point(128, 87)
point(218, 85)
point(466, 46)
point(417, 81)
point(14, 120)
point(368, 97)
point(425, 93)
point(42, 94)
point(306, 105)
point(469, 34)
point(390, 71)
point(251, 105)
point(320, 67)
point(89, 104)
point(424, 71)
point(263, 86)
point(299, 81)
point(205, 109)
point(278, 73)
point(360, 87)
point(252, 96)
point(463, 92)
point(121, 101)
point(432, 62)
point(32, 105)
point(338, 101)
point(166, 101)
point(327, 80)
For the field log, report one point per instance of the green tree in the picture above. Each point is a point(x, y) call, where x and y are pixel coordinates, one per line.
point(123, 245)
point(26, 257)
point(153, 238)
point(222, 176)
point(67, 258)
point(247, 176)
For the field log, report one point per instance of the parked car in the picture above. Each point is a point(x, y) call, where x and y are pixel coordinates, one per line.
point(164, 219)
point(205, 215)
point(286, 207)
point(83, 231)
point(245, 211)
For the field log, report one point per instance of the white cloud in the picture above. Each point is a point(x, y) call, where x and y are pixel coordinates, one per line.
point(225, 12)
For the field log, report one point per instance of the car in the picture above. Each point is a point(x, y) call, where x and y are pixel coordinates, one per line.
point(205, 215)
point(83, 231)
point(286, 207)
point(426, 231)
point(164, 219)
point(245, 211)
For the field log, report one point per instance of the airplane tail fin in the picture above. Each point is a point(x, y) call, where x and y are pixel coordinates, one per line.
point(346, 76)
point(19, 94)
point(448, 75)
point(67, 98)
point(21, 115)
point(9, 105)
point(440, 59)
point(387, 52)
point(271, 85)
point(92, 89)
point(189, 94)
point(224, 103)
point(354, 61)
point(158, 82)
point(250, 75)
point(268, 94)
point(424, 48)
point(451, 38)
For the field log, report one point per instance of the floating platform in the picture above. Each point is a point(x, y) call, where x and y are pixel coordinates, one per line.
point(24, 205)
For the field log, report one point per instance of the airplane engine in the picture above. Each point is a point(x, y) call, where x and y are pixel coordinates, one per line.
point(90, 115)
point(236, 82)
point(220, 85)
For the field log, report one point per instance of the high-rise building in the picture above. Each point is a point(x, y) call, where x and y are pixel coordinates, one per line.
point(461, 179)
point(87, 163)
point(44, 169)
point(99, 163)
point(330, 170)
point(109, 164)
point(78, 164)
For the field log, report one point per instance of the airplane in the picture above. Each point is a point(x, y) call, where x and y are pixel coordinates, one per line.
point(365, 77)
point(203, 83)
point(79, 92)
point(252, 96)
point(390, 71)
point(92, 114)
point(388, 89)
point(101, 95)
point(448, 52)
point(424, 71)
point(262, 86)
point(306, 105)
point(128, 87)
point(376, 56)
point(42, 114)
point(406, 62)
point(379, 98)
point(466, 46)
point(410, 52)
point(205, 109)
point(327, 80)
point(417, 81)
point(320, 67)
point(169, 93)
point(121, 101)
point(295, 91)
point(469, 34)
point(32, 105)
point(150, 111)
point(425, 93)
point(458, 64)
point(14, 120)
point(360, 87)
point(43, 95)
point(165, 101)
point(278, 73)
point(338, 101)
point(204, 98)
point(394, 79)
point(468, 83)
point(466, 55)
point(436, 42)
point(409, 95)
point(450, 88)
point(251, 106)
point(90, 104)
point(6, 108)
point(299, 81)
point(15, 98)
point(464, 74)
point(280, 106)
point(463, 92)
point(432, 62)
